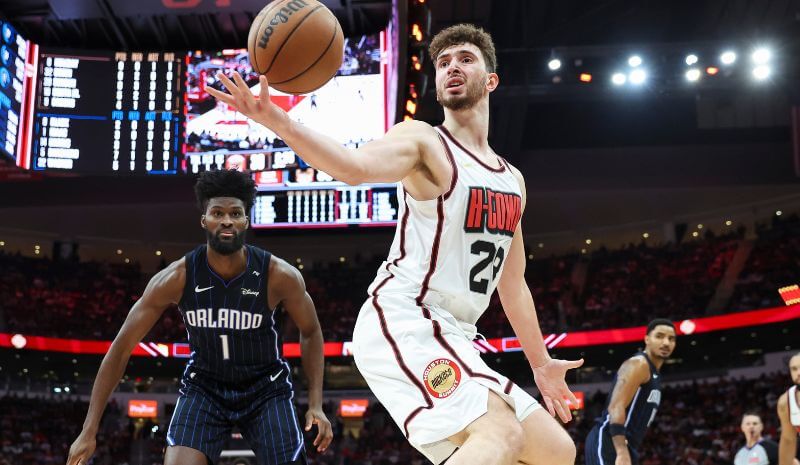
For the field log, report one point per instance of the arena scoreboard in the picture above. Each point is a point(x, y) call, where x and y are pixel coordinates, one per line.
point(325, 205)
point(13, 59)
point(109, 113)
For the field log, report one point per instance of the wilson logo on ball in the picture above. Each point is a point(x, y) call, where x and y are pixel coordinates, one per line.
point(281, 17)
point(442, 377)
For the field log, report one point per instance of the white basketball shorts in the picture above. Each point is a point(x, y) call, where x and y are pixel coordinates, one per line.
point(423, 368)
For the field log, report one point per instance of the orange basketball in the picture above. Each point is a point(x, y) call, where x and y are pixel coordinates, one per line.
point(297, 44)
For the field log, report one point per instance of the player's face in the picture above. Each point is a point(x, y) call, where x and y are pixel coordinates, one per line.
point(461, 77)
point(752, 426)
point(794, 369)
point(225, 223)
point(661, 341)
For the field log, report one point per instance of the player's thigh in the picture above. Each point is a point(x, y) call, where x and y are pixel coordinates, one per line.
point(182, 455)
point(499, 422)
point(273, 431)
point(546, 441)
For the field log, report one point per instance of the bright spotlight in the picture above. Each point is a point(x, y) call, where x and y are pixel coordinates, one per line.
point(693, 75)
point(618, 79)
point(637, 76)
point(761, 72)
point(554, 64)
point(635, 61)
point(761, 56)
point(691, 59)
point(727, 58)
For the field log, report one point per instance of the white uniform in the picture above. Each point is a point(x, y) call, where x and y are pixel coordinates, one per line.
point(413, 338)
point(794, 408)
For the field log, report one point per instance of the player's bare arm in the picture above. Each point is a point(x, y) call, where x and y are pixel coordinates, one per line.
point(410, 151)
point(288, 289)
point(518, 305)
point(165, 288)
point(632, 374)
point(788, 441)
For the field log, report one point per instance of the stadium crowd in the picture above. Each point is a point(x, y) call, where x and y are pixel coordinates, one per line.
point(697, 424)
point(626, 287)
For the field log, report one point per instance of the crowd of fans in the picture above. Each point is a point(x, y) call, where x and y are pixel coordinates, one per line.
point(39, 431)
point(772, 264)
point(697, 424)
point(625, 287)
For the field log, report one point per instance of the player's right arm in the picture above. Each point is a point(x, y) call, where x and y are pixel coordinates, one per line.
point(402, 152)
point(788, 442)
point(165, 288)
point(632, 374)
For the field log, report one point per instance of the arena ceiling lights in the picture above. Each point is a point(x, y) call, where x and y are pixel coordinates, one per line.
point(662, 66)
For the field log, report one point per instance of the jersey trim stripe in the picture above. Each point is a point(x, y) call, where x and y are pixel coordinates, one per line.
point(452, 160)
point(633, 405)
point(434, 251)
point(437, 334)
point(600, 442)
point(388, 336)
point(398, 356)
point(502, 167)
point(508, 387)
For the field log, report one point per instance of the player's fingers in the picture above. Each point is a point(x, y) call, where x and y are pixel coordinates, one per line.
point(572, 364)
point(562, 410)
point(241, 85)
point(221, 96)
point(264, 93)
point(549, 404)
point(571, 397)
point(309, 422)
point(233, 89)
point(328, 437)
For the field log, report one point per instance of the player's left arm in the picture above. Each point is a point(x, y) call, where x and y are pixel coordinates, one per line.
point(517, 301)
point(288, 289)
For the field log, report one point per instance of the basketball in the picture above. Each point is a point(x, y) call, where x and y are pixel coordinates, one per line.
point(297, 44)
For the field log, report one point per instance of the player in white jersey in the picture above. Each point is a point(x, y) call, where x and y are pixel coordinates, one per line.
point(458, 238)
point(789, 415)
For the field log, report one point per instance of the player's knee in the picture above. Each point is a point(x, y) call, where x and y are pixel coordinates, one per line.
point(566, 451)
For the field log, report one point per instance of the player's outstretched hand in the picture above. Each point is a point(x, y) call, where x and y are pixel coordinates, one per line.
point(81, 450)
point(315, 416)
point(551, 383)
point(240, 97)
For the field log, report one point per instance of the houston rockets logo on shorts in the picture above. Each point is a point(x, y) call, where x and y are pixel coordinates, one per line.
point(492, 211)
point(442, 377)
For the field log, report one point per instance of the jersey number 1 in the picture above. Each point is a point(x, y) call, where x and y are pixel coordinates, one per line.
point(226, 353)
point(494, 256)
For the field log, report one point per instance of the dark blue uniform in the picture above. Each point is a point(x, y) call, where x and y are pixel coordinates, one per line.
point(236, 375)
point(599, 448)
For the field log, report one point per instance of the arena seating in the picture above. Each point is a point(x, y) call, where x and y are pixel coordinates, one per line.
point(624, 287)
point(697, 424)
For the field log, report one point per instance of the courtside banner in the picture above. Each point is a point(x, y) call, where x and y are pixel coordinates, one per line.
point(506, 344)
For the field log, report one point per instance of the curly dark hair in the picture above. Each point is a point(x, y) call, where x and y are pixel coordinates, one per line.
point(225, 183)
point(465, 34)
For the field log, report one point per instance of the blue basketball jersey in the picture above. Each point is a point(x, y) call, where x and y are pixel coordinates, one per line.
point(642, 411)
point(233, 335)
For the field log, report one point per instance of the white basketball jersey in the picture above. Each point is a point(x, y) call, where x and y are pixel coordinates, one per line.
point(449, 252)
point(794, 408)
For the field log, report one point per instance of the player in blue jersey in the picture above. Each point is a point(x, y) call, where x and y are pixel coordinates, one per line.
point(633, 401)
point(228, 294)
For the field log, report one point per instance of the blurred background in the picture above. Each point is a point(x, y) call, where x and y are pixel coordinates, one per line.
point(660, 143)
